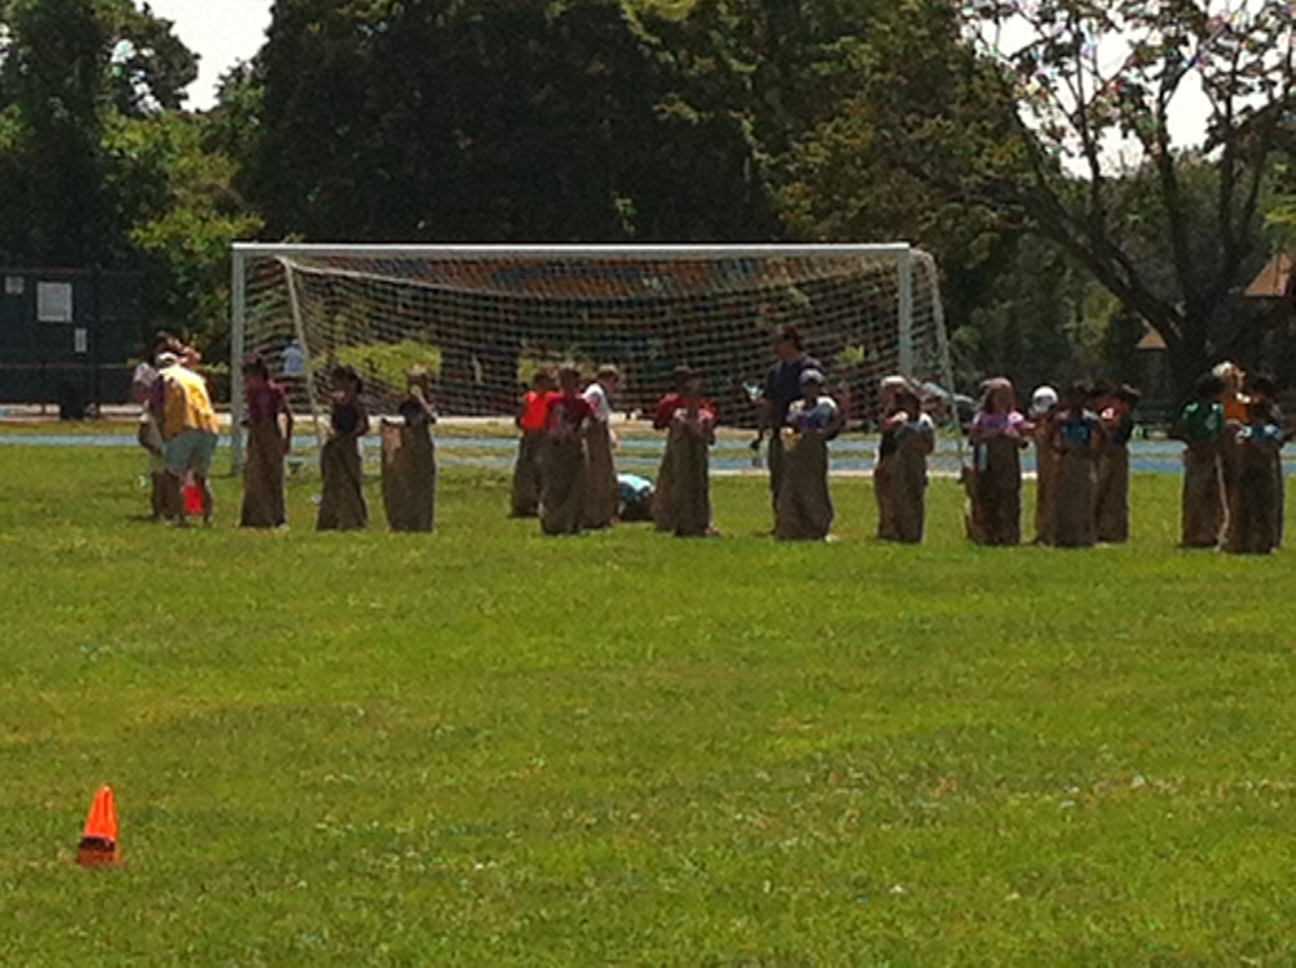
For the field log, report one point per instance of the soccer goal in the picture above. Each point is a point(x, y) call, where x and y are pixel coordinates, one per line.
point(480, 319)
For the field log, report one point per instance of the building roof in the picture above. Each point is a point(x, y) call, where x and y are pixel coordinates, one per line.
point(1151, 341)
point(1274, 280)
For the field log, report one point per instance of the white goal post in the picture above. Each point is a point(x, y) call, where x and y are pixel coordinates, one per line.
point(480, 319)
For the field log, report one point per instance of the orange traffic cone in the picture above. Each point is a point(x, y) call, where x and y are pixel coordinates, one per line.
point(99, 839)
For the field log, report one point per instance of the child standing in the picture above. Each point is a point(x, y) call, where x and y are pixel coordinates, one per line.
point(531, 421)
point(149, 436)
point(342, 505)
point(998, 433)
point(1235, 403)
point(1076, 437)
point(1256, 510)
point(1264, 390)
point(1200, 427)
point(1116, 411)
point(1044, 408)
point(692, 432)
point(884, 484)
point(663, 417)
point(562, 498)
point(803, 508)
point(409, 470)
point(603, 497)
point(269, 424)
point(908, 436)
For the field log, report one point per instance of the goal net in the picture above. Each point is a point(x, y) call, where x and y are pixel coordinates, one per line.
point(480, 320)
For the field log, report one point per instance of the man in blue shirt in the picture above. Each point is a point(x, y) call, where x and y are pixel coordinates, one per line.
point(782, 387)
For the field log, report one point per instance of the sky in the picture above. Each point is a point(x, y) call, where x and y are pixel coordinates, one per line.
point(222, 32)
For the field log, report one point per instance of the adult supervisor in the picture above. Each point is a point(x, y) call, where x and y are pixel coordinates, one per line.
point(189, 428)
point(782, 387)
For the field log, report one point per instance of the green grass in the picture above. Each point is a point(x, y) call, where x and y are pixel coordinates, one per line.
point(483, 747)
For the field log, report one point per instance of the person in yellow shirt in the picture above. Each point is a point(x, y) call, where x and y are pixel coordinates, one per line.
point(189, 430)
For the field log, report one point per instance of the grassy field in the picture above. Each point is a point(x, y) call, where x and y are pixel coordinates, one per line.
point(483, 747)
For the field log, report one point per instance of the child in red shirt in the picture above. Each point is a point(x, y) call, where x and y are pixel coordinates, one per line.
point(531, 419)
point(565, 475)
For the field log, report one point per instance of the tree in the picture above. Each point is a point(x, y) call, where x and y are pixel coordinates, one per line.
point(149, 67)
point(183, 236)
point(71, 70)
point(54, 206)
point(505, 120)
point(1056, 117)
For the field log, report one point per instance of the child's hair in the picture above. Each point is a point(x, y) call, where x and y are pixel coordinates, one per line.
point(1077, 393)
point(1262, 384)
point(907, 399)
point(1100, 389)
point(167, 342)
point(346, 373)
point(993, 386)
point(680, 377)
point(1259, 410)
point(1128, 395)
point(541, 378)
point(418, 378)
point(607, 371)
point(790, 334)
point(569, 374)
point(1208, 386)
point(255, 365)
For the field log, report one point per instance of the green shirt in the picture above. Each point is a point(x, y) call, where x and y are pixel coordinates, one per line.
point(1202, 421)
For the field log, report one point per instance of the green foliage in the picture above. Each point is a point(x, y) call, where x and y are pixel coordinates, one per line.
point(1017, 130)
point(99, 168)
point(56, 207)
point(500, 121)
point(1025, 300)
point(149, 67)
point(389, 363)
point(483, 747)
point(186, 231)
point(1280, 216)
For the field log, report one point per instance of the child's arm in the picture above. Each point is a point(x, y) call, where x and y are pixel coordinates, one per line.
point(835, 423)
point(145, 442)
point(978, 431)
point(764, 421)
point(288, 424)
point(920, 434)
point(662, 414)
point(1054, 437)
